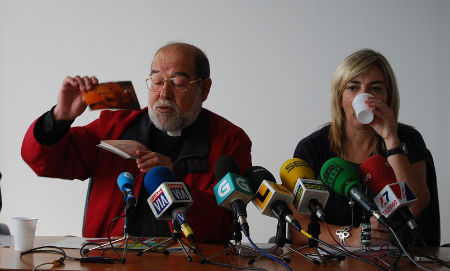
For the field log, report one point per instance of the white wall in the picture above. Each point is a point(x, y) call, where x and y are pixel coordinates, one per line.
point(272, 63)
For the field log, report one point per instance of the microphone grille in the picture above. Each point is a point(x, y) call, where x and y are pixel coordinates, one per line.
point(339, 176)
point(225, 164)
point(125, 179)
point(377, 173)
point(156, 176)
point(293, 169)
point(256, 175)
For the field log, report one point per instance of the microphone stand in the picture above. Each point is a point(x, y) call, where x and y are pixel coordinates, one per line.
point(280, 242)
point(176, 238)
point(314, 230)
point(237, 246)
point(126, 236)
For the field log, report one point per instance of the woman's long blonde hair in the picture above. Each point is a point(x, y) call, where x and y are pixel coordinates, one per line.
point(353, 66)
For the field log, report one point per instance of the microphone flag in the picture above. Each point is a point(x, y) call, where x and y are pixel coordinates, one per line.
point(168, 195)
point(394, 196)
point(268, 193)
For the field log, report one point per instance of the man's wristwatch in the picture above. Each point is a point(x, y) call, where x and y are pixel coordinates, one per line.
point(399, 150)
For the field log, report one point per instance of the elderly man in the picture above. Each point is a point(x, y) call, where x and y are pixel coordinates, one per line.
point(179, 133)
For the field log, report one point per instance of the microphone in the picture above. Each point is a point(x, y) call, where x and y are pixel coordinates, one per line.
point(169, 198)
point(125, 181)
point(310, 195)
point(342, 178)
point(392, 197)
point(232, 192)
point(271, 199)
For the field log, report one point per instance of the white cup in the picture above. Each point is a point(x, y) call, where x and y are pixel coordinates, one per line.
point(362, 111)
point(24, 229)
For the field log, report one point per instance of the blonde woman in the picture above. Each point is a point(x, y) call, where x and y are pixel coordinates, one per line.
point(364, 71)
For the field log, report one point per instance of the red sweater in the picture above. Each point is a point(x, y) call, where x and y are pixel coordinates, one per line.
point(76, 156)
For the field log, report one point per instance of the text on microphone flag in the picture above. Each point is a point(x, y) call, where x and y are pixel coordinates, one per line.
point(243, 185)
point(262, 196)
point(295, 163)
point(332, 171)
point(128, 175)
point(297, 196)
point(181, 218)
point(176, 186)
point(156, 195)
point(314, 185)
point(231, 183)
point(394, 196)
point(160, 203)
point(224, 188)
point(305, 190)
point(268, 193)
point(179, 193)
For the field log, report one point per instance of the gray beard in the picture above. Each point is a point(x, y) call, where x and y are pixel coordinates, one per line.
point(174, 123)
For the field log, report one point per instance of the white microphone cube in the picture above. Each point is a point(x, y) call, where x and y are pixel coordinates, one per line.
point(393, 197)
point(268, 193)
point(305, 190)
point(232, 187)
point(166, 196)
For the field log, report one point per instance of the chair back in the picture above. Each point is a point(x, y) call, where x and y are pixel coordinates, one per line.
point(88, 194)
point(429, 220)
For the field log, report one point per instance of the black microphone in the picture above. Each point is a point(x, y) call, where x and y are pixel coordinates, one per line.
point(232, 191)
point(271, 199)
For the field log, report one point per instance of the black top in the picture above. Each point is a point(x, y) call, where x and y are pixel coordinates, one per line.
point(143, 222)
point(315, 150)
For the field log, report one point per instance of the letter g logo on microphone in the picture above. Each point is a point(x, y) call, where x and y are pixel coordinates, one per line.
point(243, 185)
point(224, 188)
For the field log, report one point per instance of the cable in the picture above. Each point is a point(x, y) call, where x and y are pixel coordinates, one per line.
point(431, 258)
point(267, 254)
point(350, 254)
point(382, 252)
point(340, 245)
point(88, 244)
point(102, 258)
point(342, 251)
point(110, 241)
point(378, 255)
point(433, 255)
point(404, 250)
point(54, 249)
point(236, 266)
point(401, 247)
point(205, 260)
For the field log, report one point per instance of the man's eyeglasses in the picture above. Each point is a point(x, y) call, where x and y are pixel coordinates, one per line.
point(179, 83)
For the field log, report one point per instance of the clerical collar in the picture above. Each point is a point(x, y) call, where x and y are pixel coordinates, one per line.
point(174, 133)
